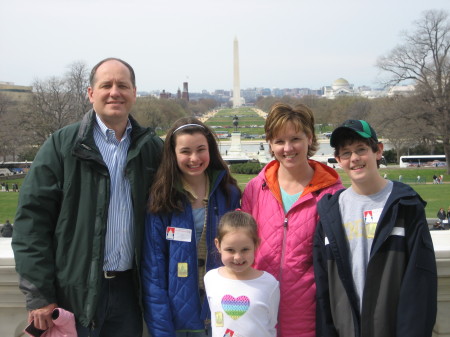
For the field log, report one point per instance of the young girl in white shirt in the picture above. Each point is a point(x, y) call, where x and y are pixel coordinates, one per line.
point(243, 301)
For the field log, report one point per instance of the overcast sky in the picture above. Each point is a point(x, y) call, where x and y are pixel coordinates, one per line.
point(282, 43)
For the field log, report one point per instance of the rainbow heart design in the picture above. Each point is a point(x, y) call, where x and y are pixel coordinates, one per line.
point(235, 307)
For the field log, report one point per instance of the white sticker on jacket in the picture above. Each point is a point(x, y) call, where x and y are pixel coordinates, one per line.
point(399, 231)
point(179, 234)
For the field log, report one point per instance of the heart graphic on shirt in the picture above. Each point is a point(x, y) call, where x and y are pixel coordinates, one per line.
point(235, 307)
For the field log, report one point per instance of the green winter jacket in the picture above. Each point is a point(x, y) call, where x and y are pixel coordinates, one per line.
point(60, 225)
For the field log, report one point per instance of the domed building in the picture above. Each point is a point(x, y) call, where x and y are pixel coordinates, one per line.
point(340, 87)
point(340, 83)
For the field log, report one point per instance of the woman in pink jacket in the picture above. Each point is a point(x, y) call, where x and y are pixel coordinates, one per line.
point(283, 199)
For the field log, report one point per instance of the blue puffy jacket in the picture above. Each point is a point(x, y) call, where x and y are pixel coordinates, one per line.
point(170, 302)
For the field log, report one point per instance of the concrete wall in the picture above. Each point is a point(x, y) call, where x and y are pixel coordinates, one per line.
point(13, 314)
point(441, 242)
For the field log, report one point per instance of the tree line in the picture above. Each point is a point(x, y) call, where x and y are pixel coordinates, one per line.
point(401, 121)
point(421, 119)
point(55, 102)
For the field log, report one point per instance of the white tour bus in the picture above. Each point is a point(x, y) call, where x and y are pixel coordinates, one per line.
point(332, 162)
point(434, 160)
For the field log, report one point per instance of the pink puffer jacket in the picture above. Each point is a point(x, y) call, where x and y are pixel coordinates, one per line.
point(287, 242)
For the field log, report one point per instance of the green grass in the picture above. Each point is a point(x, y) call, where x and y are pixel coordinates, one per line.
point(243, 179)
point(410, 174)
point(8, 201)
point(223, 121)
point(436, 196)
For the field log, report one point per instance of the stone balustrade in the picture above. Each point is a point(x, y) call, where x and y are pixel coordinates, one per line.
point(13, 314)
point(441, 242)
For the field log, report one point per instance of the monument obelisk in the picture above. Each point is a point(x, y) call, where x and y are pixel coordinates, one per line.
point(236, 80)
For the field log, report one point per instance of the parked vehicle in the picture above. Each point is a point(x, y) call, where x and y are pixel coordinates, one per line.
point(5, 172)
point(437, 160)
point(17, 170)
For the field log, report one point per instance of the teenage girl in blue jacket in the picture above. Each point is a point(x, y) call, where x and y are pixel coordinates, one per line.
point(192, 189)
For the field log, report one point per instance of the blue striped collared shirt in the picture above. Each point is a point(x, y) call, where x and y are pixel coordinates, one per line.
point(119, 244)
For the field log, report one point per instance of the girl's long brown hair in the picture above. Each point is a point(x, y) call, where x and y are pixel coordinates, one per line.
point(165, 193)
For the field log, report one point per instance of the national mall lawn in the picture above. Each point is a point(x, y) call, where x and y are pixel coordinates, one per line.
point(436, 195)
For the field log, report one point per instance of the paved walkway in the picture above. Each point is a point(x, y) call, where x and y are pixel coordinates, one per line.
point(211, 114)
point(207, 116)
point(260, 113)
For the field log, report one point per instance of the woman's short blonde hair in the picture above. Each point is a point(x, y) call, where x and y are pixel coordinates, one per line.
point(300, 116)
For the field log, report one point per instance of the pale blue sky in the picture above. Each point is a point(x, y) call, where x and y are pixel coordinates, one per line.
point(283, 43)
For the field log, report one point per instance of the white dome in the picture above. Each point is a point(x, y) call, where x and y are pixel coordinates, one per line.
point(340, 83)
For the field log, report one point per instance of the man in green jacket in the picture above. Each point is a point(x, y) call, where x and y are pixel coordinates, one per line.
point(78, 229)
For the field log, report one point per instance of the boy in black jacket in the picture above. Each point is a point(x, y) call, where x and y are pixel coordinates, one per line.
point(374, 260)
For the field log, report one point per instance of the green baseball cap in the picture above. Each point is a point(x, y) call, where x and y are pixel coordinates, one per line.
point(361, 127)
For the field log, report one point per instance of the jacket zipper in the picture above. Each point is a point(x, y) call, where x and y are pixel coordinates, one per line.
point(283, 247)
point(285, 227)
point(92, 324)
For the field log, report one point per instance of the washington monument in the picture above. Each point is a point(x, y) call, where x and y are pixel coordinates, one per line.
point(236, 80)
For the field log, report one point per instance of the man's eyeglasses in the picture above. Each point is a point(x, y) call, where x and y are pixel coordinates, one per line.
point(359, 152)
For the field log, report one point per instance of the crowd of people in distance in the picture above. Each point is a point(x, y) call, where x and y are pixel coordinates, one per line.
point(443, 219)
point(5, 187)
point(438, 179)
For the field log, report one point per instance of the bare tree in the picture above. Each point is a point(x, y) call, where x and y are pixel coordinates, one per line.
point(78, 82)
point(5, 103)
point(360, 109)
point(396, 117)
point(12, 135)
point(147, 113)
point(153, 112)
point(50, 108)
point(6, 127)
point(200, 107)
point(424, 58)
point(55, 103)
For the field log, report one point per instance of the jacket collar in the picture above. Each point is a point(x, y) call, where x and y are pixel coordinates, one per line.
point(85, 144)
point(190, 192)
point(87, 125)
point(328, 208)
point(324, 176)
point(215, 177)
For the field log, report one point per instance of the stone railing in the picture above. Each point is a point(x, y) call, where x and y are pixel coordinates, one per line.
point(13, 314)
point(441, 242)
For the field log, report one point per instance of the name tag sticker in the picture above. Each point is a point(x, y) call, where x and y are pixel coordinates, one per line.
point(219, 318)
point(229, 333)
point(179, 234)
point(182, 269)
point(371, 218)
